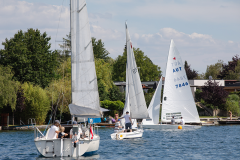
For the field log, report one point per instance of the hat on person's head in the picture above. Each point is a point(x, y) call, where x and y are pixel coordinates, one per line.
point(57, 121)
point(74, 122)
point(127, 112)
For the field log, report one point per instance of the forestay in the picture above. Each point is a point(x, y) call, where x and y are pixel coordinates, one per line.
point(177, 96)
point(85, 98)
point(137, 104)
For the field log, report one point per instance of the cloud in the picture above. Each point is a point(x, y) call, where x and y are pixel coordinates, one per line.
point(16, 15)
point(198, 49)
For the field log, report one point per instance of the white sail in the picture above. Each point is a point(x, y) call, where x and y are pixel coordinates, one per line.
point(126, 106)
point(137, 104)
point(154, 106)
point(177, 96)
point(85, 98)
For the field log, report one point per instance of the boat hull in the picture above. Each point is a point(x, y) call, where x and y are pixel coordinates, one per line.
point(93, 145)
point(169, 126)
point(127, 135)
point(52, 147)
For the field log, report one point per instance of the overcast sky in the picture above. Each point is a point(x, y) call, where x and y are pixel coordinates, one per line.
point(203, 31)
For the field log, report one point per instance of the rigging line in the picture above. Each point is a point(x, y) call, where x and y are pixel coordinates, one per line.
point(58, 23)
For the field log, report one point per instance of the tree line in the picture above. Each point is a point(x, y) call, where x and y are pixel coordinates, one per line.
point(35, 81)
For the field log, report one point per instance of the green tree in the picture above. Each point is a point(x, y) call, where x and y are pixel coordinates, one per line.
point(98, 49)
point(9, 88)
point(29, 55)
point(232, 104)
point(113, 106)
point(214, 70)
point(66, 48)
point(115, 94)
point(191, 73)
point(37, 103)
point(148, 70)
point(231, 70)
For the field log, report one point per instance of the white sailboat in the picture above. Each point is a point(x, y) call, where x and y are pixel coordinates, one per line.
point(85, 98)
point(177, 96)
point(154, 108)
point(135, 101)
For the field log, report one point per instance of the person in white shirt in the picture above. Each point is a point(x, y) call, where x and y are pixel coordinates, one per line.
point(54, 130)
point(182, 122)
point(128, 122)
point(76, 136)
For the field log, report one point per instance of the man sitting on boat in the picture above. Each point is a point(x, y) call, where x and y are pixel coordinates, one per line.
point(54, 130)
point(182, 122)
point(128, 122)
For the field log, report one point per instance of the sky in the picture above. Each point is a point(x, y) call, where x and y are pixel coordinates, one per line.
point(204, 31)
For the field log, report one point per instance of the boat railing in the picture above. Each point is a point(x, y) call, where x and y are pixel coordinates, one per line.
point(36, 132)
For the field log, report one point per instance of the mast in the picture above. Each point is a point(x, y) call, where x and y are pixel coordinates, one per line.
point(85, 98)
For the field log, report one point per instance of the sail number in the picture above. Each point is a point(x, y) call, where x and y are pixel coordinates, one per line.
point(181, 85)
point(177, 69)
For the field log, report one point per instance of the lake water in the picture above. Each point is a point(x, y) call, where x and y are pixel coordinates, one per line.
point(209, 142)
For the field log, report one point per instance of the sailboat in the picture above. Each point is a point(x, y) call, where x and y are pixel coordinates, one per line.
point(135, 102)
point(177, 97)
point(154, 108)
point(85, 97)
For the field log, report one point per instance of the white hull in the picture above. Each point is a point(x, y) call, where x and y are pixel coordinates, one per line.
point(52, 148)
point(169, 126)
point(93, 144)
point(127, 135)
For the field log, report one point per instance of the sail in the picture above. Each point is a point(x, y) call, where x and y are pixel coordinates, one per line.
point(126, 105)
point(154, 106)
point(177, 96)
point(137, 104)
point(85, 98)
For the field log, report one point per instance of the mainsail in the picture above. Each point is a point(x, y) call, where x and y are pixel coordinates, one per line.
point(177, 96)
point(137, 104)
point(85, 98)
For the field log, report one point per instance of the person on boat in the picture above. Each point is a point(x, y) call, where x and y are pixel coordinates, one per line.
point(128, 122)
point(116, 117)
point(182, 122)
point(54, 130)
point(62, 134)
point(172, 120)
point(76, 136)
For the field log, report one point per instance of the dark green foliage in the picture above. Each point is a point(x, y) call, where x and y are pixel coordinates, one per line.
point(115, 94)
point(66, 49)
point(29, 55)
point(103, 94)
point(20, 100)
point(231, 70)
point(8, 88)
point(191, 74)
point(148, 71)
point(214, 94)
point(198, 94)
point(113, 106)
point(98, 49)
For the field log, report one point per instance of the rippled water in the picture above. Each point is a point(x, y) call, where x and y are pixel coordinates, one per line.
point(209, 142)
